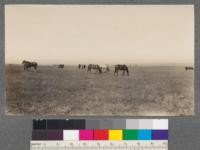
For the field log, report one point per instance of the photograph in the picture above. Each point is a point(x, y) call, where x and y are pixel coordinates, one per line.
point(99, 60)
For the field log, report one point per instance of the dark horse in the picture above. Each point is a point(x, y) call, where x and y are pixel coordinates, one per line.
point(95, 67)
point(61, 66)
point(124, 68)
point(28, 64)
point(189, 68)
point(81, 66)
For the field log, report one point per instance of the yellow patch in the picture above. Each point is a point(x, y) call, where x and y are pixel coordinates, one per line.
point(115, 134)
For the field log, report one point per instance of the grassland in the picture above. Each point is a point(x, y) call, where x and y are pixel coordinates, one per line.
point(149, 90)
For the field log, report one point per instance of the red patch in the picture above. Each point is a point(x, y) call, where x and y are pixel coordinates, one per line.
point(100, 134)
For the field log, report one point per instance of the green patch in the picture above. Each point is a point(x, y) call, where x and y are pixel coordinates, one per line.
point(130, 134)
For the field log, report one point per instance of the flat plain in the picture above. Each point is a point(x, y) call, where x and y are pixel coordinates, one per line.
point(147, 91)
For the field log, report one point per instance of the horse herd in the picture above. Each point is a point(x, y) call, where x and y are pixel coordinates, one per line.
point(97, 68)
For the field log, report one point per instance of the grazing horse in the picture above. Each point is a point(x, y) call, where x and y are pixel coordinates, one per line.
point(189, 68)
point(95, 67)
point(124, 68)
point(81, 66)
point(105, 69)
point(28, 65)
point(61, 66)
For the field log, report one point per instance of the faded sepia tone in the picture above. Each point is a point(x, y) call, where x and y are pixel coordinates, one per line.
point(56, 43)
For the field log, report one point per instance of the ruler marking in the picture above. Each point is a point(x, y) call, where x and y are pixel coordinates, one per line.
point(99, 145)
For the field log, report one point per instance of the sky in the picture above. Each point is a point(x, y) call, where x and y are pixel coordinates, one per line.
point(110, 34)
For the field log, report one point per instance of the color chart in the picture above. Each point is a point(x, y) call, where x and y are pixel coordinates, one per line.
point(104, 134)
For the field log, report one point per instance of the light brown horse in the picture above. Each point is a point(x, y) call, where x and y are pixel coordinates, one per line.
point(94, 67)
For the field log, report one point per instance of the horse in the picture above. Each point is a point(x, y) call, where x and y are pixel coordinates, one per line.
point(123, 67)
point(189, 68)
point(105, 69)
point(61, 66)
point(81, 66)
point(95, 67)
point(28, 64)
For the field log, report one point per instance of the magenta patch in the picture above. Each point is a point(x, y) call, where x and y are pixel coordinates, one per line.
point(85, 134)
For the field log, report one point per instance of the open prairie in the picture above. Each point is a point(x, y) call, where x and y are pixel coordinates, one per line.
point(148, 90)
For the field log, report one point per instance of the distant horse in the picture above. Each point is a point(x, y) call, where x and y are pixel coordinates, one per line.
point(94, 67)
point(124, 68)
point(28, 64)
point(81, 66)
point(61, 66)
point(189, 68)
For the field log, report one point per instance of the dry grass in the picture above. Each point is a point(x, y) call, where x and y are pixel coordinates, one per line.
point(74, 92)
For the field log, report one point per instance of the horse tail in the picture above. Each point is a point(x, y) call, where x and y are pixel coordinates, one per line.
point(100, 70)
point(36, 65)
point(127, 70)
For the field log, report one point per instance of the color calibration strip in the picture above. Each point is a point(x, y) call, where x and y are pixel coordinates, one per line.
point(112, 130)
point(100, 134)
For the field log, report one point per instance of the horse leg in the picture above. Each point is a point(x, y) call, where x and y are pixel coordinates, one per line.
point(127, 72)
point(26, 67)
point(114, 72)
point(100, 71)
point(123, 72)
